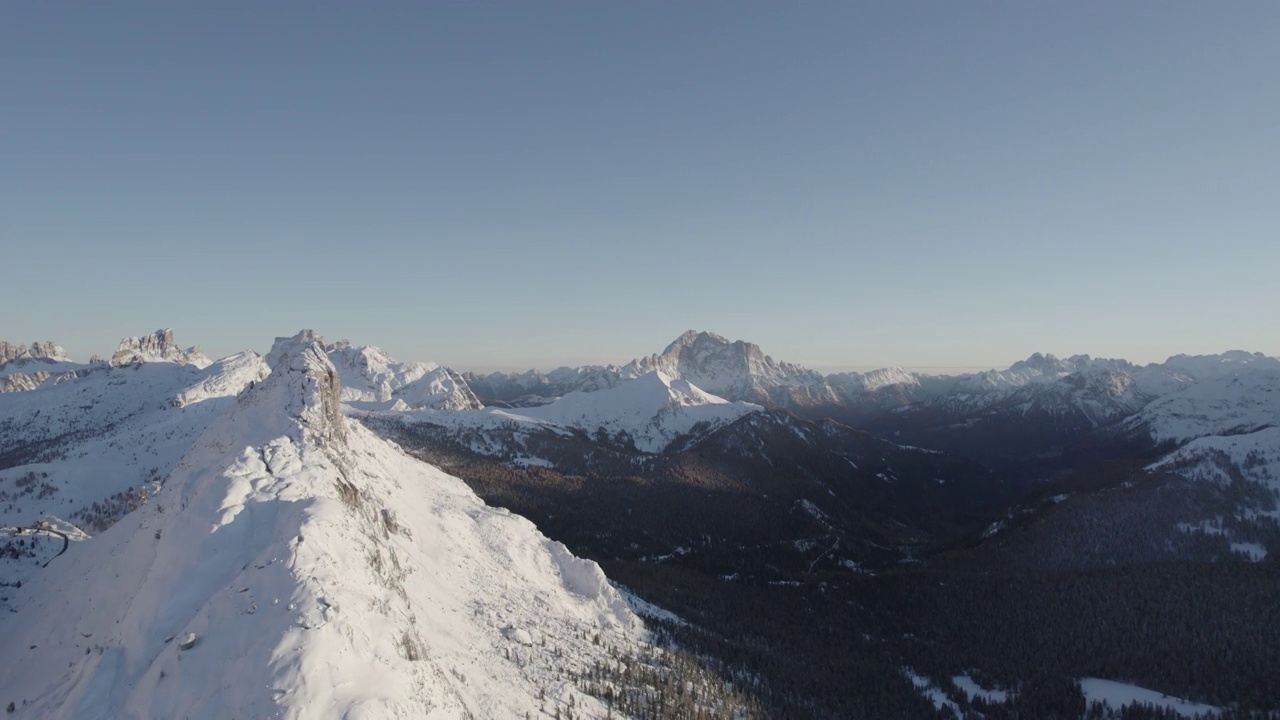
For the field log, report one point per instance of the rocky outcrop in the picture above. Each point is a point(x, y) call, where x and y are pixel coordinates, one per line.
point(20, 382)
point(47, 350)
point(735, 371)
point(157, 347)
point(369, 375)
point(27, 368)
point(9, 351)
point(302, 369)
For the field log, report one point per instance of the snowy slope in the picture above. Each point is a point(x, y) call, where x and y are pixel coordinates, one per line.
point(1224, 404)
point(89, 449)
point(1255, 456)
point(1118, 695)
point(650, 411)
point(296, 566)
point(369, 375)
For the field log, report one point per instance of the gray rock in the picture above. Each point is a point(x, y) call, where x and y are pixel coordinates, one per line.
point(157, 347)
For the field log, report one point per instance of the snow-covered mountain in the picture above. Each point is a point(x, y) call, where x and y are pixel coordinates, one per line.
point(48, 350)
point(736, 370)
point(532, 387)
point(26, 368)
point(1227, 429)
point(290, 564)
point(90, 449)
point(650, 410)
point(647, 413)
point(1224, 404)
point(157, 347)
point(369, 375)
point(1203, 367)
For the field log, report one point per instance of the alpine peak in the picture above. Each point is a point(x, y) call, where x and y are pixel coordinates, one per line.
point(157, 347)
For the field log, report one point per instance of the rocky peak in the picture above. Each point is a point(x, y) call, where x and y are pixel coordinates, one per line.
point(9, 351)
point(696, 337)
point(301, 369)
point(47, 350)
point(157, 347)
point(1044, 363)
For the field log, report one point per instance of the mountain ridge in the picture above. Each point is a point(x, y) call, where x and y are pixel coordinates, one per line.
point(287, 539)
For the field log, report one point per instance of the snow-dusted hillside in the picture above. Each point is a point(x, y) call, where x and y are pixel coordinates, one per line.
point(652, 410)
point(649, 411)
point(1254, 456)
point(369, 375)
point(1223, 404)
point(1228, 429)
point(293, 565)
point(89, 449)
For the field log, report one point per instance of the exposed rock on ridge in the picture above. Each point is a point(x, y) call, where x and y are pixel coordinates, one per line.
point(314, 392)
point(47, 350)
point(157, 347)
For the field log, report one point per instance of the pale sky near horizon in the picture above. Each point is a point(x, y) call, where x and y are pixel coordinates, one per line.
point(500, 184)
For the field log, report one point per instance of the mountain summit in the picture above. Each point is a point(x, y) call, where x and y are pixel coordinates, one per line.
point(735, 370)
point(294, 565)
point(157, 347)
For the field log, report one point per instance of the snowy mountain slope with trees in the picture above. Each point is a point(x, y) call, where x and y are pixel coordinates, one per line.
point(241, 525)
point(89, 450)
point(1223, 404)
point(294, 565)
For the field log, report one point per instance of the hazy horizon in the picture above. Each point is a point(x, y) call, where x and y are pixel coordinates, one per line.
point(577, 359)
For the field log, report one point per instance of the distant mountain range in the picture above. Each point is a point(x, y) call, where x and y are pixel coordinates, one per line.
point(322, 527)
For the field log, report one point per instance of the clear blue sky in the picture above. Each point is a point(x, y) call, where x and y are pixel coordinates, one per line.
point(534, 183)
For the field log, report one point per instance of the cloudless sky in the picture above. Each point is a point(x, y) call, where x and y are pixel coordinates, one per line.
point(848, 184)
